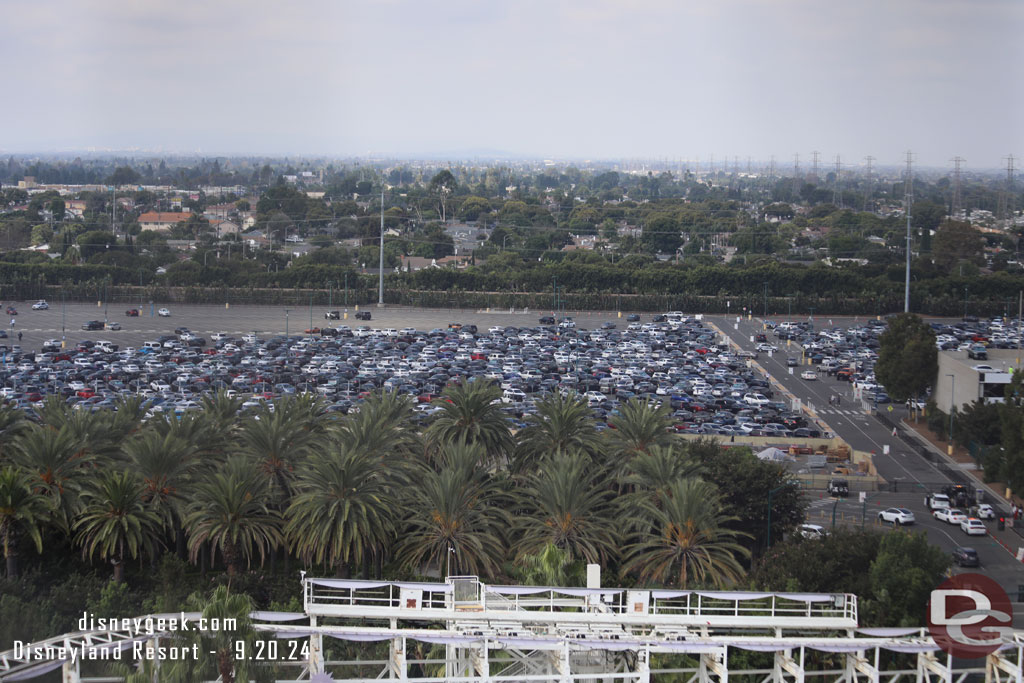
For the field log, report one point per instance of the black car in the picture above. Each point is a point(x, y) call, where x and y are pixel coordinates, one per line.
point(965, 557)
point(332, 315)
point(93, 325)
point(547, 320)
point(633, 318)
point(363, 315)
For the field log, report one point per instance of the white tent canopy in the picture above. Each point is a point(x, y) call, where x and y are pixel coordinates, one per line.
point(772, 454)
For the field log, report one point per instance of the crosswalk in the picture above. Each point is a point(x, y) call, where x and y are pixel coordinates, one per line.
point(839, 411)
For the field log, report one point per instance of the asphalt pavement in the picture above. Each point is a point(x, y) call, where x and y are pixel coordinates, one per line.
point(853, 421)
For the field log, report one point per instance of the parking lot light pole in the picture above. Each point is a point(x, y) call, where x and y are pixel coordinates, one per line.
point(286, 322)
point(952, 401)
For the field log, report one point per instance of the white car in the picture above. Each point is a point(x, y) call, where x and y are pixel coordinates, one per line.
point(897, 516)
point(809, 375)
point(973, 526)
point(754, 399)
point(217, 336)
point(986, 511)
point(950, 515)
point(164, 313)
point(812, 531)
point(40, 306)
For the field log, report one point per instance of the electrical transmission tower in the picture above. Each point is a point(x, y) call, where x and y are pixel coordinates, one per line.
point(956, 207)
point(837, 190)
point(869, 187)
point(909, 199)
point(1010, 202)
point(814, 164)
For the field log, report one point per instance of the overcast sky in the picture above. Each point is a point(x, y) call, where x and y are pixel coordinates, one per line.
point(596, 79)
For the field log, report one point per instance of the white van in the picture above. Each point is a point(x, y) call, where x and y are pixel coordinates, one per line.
point(152, 345)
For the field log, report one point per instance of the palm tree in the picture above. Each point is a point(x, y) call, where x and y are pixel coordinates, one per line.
point(343, 509)
point(471, 414)
point(561, 423)
point(568, 503)
point(639, 426)
point(12, 423)
point(55, 462)
point(115, 522)
point(275, 440)
point(454, 515)
point(687, 539)
point(218, 649)
point(552, 566)
point(229, 509)
point(21, 512)
point(384, 425)
point(652, 473)
point(164, 462)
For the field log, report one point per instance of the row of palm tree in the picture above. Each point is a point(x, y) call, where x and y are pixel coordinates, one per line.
point(342, 493)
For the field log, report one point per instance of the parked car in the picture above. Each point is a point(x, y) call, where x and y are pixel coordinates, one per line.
point(965, 557)
point(132, 313)
point(11, 310)
point(164, 313)
point(332, 315)
point(897, 516)
point(93, 325)
point(40, 305)
point(363, 315)
point(813, 531)
point(113, 326)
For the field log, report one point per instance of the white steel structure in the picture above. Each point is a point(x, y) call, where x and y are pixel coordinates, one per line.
point(467, 631)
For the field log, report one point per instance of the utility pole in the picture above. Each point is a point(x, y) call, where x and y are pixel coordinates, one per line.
point(113, 209)
point(956, 204)
point(380, 297)
point(909, 199)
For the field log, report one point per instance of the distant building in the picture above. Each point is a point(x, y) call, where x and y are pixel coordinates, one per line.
point(160, 221)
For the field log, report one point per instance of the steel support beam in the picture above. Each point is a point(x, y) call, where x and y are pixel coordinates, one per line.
point(996, 663)
point(714, 664)
point(397, 660)
point(857, 664)
point(928, 666)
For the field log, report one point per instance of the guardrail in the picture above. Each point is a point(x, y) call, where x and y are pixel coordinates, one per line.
point(467, 596)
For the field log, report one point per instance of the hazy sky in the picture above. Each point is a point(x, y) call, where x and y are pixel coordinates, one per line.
point(545, 78)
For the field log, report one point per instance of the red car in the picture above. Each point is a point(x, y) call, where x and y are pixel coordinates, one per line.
point(11, 310)
point(132, 313)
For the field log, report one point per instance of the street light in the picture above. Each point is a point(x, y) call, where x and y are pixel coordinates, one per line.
point(766, 300)
point(286, 322)
point(965, 302)
point(952, 400)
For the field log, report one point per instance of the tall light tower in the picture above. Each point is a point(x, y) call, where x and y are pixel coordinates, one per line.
point(909, 199)
point(380, 296)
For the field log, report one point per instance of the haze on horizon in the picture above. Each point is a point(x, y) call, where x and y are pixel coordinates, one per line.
point(601, 79)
